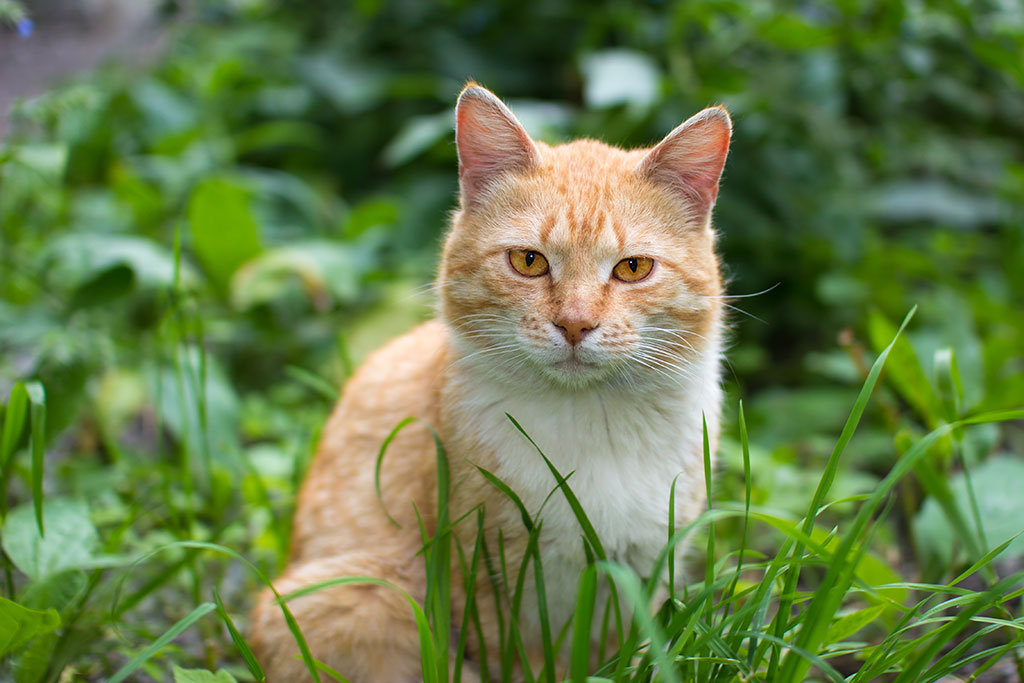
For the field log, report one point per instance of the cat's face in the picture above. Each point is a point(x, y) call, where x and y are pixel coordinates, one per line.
point(582, 263)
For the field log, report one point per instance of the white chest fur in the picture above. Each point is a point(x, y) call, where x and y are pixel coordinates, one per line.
point(623, 448)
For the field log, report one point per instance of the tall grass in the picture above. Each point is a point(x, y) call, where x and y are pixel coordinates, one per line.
point(814, 609)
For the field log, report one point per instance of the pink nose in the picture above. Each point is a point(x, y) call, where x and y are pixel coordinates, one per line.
point(575, 330)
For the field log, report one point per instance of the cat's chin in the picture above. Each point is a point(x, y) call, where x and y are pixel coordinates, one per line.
point(574, 373)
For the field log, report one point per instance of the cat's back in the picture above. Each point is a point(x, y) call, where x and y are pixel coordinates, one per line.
point(337, 505)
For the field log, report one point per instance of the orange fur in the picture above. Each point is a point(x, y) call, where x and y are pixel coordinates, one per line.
point(610, 377)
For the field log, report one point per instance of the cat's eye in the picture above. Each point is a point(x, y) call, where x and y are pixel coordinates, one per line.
point(528, 263)
point(633, 269)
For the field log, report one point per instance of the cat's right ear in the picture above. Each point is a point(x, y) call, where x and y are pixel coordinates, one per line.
point(490, 141)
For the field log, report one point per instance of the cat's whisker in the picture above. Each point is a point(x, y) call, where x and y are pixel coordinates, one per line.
point(749, 315)
point(739, 296)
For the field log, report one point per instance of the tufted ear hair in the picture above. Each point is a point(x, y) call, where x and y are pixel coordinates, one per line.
point(691, 157)
point(490, 142)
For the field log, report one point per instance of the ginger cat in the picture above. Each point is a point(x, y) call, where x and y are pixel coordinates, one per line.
point(580, 293)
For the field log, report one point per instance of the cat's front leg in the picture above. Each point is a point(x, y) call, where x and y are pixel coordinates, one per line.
point(365, 632)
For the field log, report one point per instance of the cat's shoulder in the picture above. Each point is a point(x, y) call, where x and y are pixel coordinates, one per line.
point(420, 352)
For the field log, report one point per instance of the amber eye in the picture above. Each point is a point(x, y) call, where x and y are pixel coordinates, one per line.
point(633, 269)
point(528, 263)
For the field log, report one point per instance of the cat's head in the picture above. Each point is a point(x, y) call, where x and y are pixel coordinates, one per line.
point(582, 263)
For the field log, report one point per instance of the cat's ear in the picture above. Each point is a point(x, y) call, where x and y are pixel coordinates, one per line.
point(691, 157)
point(490, 141)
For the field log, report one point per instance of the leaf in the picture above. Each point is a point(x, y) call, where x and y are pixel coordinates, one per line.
point(352, 88)
point(32, 662)
point(48, 161)
point(19, 624)
point(55, 590)
point(936, 201)
point(37, 418)
point(997, 485)
point(224, 232)
point(201, 676)
point(85, 261)
point(419, 134)
point(69, 543)
point(904, 369)
point(198, 403)
point(328, 273)
point(14, 422)
point(615, 77)
point(848, 625)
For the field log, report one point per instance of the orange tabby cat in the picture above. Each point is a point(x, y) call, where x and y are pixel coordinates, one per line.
point(580, 294)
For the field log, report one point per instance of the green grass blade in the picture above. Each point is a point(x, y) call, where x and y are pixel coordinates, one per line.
point(15, 415)
point(586, 596)
point(37, 413)
point(240, 643)
point(631, 588)
point(320, 666)
point(380, 459)
point(158, 644)
point(542, 612)
point(15, 420)
point(574, 503)
point(671, 531)
point(314, 382)
point(510, 494)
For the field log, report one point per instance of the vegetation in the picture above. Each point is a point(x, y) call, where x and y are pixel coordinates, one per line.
point(194, 253)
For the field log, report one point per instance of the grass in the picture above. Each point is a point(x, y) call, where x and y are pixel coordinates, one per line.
point(812, 609)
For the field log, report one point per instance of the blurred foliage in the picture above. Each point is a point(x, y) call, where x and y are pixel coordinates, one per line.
point(194, 252)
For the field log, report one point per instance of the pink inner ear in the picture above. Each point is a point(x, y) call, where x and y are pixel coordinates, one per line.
point(690, 159)
point(490, 141)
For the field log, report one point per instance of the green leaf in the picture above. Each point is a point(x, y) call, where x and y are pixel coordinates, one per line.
point(37, 414)
point(19, 624)
point(1001, 507)
point(14, 422)
point(55, 590)
point(846, 626)
point(96, 265)
point(326, 273)
point(904, 368)
point(947, 380)
point(224, 232)
point(34, 659)
point(419, 134)
point(69, 543)
point(201, 676)
point(198, 403)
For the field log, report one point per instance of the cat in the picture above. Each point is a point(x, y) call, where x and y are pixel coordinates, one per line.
point(579, 293)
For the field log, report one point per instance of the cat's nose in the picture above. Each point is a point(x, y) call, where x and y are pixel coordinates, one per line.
point(575, 330)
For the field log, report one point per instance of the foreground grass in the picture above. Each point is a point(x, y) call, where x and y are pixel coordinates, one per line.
point(168, 577)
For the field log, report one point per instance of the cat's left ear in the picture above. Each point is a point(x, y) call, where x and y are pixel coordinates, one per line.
point(490, 140)
point(690, 158)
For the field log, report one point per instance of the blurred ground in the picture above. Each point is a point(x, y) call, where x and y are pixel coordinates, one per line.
point(69, 36)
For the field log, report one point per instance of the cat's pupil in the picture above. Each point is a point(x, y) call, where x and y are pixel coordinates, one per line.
point(632, 264)
point(530, 256)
